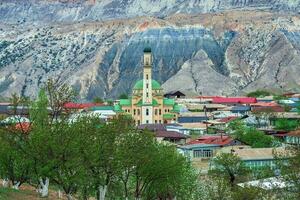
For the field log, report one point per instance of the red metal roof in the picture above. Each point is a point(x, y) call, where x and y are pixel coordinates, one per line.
point(216, 139)
point(295, 133)
point(72, 105)
point(227, 119)
point(240, 100)
point(264, 104)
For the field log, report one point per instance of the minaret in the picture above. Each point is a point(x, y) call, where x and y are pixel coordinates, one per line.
point(147, 108)
point(147, 77)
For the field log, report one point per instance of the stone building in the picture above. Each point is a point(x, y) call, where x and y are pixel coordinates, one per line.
point(147, 104)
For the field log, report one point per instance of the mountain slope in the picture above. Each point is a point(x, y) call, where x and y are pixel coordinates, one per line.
point(35, 11)
point(247, 49)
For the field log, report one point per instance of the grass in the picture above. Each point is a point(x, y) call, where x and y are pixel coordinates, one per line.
point(8, 193)
point(25, 193)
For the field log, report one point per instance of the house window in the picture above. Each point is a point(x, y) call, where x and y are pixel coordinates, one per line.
point(134, 111)
point(203, 153)
point(147, 112)
point(159, 112)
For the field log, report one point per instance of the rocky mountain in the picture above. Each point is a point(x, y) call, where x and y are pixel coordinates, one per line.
point(34, 11)
point(205, 46)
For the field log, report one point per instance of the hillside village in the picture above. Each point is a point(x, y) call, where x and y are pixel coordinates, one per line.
point(200, 126)
point(253, 127)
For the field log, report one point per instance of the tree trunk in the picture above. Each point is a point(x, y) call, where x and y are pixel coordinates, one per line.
point(44, 190)
point(69, 197)
point(102, 192)
point(16, 185)
point(59, 194)
point(5, 183)
point(138, 198)
point(175, 198)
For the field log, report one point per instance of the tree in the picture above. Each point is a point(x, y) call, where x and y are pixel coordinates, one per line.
point(250, 135)
point(286, 124)
point(123, 96)
point(228, 166)
point(259, 93)
point(14, 165)
point(98, 100)
point(289, 165)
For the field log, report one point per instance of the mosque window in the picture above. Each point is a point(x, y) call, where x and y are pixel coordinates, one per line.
point(147, 77)
point(159, 112)
point(147, 94)
point(134, 111)
point(147, 112)
point(147, 85)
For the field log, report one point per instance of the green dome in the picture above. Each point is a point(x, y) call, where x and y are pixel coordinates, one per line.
point(140, 83)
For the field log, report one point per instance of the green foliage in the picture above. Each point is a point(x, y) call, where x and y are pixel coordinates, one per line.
point(123, 96)
point(259, 93)
point(286, 124)
point(290, 171)
point(256, 138)
point(250, 193)
point(228, 166)
point(98, 100)
point(279, 97)
point(250, 136)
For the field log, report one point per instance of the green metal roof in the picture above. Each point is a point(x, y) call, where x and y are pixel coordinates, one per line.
point(140, 83)
point(101, 108)
point(169, 102)
point(168, 116)
point(176, 108)
point(125, 102)
point(118, 108)
point(154, 103)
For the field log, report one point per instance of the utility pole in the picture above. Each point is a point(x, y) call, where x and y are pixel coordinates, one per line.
point(205, 113)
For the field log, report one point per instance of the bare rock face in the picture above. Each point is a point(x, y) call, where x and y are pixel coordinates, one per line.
point(198, 75)
point(219, 53)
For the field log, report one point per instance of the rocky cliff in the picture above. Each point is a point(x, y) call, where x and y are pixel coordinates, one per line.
point(19, 11)
point(226, 52)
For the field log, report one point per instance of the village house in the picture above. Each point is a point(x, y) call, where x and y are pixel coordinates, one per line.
point(293, 137)
point(254, 158)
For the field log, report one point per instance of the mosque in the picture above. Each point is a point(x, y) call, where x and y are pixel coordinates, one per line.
point(147, 104)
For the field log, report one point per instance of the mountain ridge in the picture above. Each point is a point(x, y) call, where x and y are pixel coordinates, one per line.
point(252, 49)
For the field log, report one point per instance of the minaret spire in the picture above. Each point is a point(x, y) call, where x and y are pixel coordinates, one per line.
point(147, 77)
